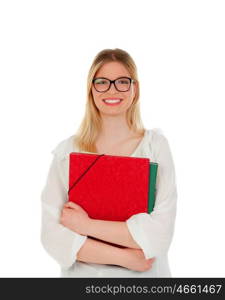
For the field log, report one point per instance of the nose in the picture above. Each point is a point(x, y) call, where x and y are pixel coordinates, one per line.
point(112, 87)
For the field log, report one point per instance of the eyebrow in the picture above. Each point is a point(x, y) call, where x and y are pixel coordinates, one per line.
point(112, 79)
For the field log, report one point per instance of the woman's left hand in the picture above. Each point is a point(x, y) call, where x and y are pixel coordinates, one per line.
point(75, 218)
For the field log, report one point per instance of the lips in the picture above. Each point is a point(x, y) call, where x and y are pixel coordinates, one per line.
point(112, 101)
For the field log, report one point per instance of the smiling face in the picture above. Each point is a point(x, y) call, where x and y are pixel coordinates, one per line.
point(112, 71)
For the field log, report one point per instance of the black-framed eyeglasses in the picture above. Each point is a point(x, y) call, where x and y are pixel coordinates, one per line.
point(122, 84)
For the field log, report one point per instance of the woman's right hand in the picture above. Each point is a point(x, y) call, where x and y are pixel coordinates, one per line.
point(136, 261)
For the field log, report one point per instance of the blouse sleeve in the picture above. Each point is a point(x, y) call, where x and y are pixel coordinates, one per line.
point(61, 243)
point(153, 232)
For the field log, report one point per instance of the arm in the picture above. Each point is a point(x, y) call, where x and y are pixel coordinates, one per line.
point(96, 251)
point(61, 243)
point(65, 245)
point(154, 232)
point(113, 232)
point(99, 252)
point(76, 219)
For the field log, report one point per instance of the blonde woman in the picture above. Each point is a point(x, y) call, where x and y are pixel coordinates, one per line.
point(85, 247)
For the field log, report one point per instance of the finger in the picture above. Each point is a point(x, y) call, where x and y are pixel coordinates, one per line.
point(71, 205)
point(64, 210)
point(151, 259)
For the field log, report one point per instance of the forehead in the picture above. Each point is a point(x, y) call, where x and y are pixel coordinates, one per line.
point(112, 70)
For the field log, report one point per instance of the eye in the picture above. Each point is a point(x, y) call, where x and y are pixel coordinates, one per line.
point(101, 81)
point(123, 81)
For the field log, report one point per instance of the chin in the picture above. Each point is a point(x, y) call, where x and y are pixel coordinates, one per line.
point(112, 113)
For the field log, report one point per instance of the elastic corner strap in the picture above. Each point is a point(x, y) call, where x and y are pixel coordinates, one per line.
point(79, 178)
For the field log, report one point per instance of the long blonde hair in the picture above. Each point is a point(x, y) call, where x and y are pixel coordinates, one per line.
point(91, 123)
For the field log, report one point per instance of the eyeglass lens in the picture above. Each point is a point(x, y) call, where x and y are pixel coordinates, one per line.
point(102, 84)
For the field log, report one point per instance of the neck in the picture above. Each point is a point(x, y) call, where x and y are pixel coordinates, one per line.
point(114, 128)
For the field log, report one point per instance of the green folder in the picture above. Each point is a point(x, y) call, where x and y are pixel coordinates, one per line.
point(152, 186)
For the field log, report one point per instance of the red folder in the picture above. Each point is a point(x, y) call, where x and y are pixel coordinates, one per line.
point(109, 187)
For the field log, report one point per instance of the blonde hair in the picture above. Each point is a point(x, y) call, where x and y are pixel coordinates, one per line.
point(91, 123)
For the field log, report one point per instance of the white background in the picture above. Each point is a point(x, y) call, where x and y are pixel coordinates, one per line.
point(46, 50)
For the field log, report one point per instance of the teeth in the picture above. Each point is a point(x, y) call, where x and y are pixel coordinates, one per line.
point(112, 101)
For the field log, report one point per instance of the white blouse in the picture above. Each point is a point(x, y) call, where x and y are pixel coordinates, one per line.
point(152, 232)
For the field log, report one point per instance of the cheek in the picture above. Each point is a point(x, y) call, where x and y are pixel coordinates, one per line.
point(129, 98)
point(95, 96)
